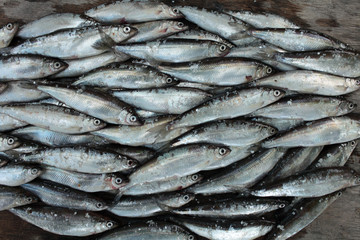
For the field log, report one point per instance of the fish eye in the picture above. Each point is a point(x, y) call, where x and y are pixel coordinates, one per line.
point(175, 10)
point(180, 24)
point(130, 163)
point(99, 205)
point(10, 26)
point(222, 151)
point(282, 205)
point(357, 82)
point(29, 199)
point(57, 65)
point(353, 143)
point(97, 122)
point(127, 29)
point(34, 171)
point(133, 118)
point(351, 105)
point(191, 237)
point(118, 180)
point(277, 93)
point(273, 131)
point(10, 141)
point(269, 70)
point(109, 224)
point(339, 194)
point(169, 80)
point(186, 197)
point(223, 48)
point(194, 177)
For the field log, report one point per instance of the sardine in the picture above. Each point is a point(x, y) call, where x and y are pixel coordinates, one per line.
point(21, 91)
point(198, 34)
point(279, 124)
point(60, 196)
point(64, 221)
point(8, 142)
point(84, 181)
point(164, 100)
point(125, 11)
point(231, 104)
point(25, 147)
point(48, 117)
point(11, 197)
point(102, 106)
point(7, 33)
point(18, 174)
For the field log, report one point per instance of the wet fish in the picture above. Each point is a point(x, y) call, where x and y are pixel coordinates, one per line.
point(102, 106)
point(60, 196)
point(231, 104)
point(8, 142)
point(164, 100)
point(278, 123)
point(76, 43)
point(64, 221)
point(21, 91)
point(131, 76)
point(168, 185)
point(7, 33)
point(47, 116)
point(25, 147)
point(306, 108)
point(23, 67)
point(198, 34)
point(174, 50)
point(341, 63)
point(298, 39)
point(84, 181)
point(228, 132)
point(310, 82)
point(318, 133)
point(11, 197)
point(81, 159)
point(240, 175)
point(149, 206)
point(18, 174)
point(141, 154)
point(312, 183)
point(222, 72)
point(54, 22)
point(125, 11)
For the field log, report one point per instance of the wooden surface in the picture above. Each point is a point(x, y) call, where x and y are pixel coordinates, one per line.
point(338, 18)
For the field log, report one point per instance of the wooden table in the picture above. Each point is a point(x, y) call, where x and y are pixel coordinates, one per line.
point(338, 18)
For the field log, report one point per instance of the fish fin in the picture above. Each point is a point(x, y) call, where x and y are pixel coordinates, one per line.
point(105, 43)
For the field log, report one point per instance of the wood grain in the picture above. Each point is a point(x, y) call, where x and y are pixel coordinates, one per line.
point(340, 19)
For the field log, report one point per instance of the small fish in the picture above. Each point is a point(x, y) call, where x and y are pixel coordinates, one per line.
point(312, 183)
point(25, 147)
point(18, 174)
point(11, 197)
point(60, 196)
point(125, 11)
point(21, 91)
point(278, 123)
point(24, 67)
point(7, 33)
point(8, 142)
point(198, 34)
point(141, 154)
point(64, 221)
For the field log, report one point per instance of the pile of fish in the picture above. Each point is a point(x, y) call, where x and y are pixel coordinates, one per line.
point(160, 122)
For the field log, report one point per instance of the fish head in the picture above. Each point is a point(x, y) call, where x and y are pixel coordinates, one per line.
point(53, 65)
point(95, 204)
point(131, 118)
point(356, 178)
point(173, 27)
point(11, 28)
point(177, 200)
point(352, 83)
point(116, 181)
point(345, 107)
point(220, 151)
point(218, 49)
point(121, 33)
point(263, 70)
point(25, 199)
point(169, 12)
point(104, 224)
point(274, 94)
point(165, 79)
point(268, 131)
point(9, 142)
point(30, 172)
point(128, 163)
point(350, 146)
point(194, 178)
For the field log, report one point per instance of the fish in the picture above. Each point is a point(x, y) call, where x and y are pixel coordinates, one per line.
point(318, 133)
point(11, 197)
point(199, 34)
point(306, 108)
point(7, 33)
point(76, 43)
point(102, 106)
point(263, 19)
point(78, 67)
point(220, 72)
point(140, 154)
point(24, 67)
point(125, 11)
point(310, 82)
point(81, 159)
point(149, 31)
point(340, 63)
point(170, 100)
point(312, 183)
point(64, 221)
point(47, 116)
point(206, 88)
point(8, 142)
point(174, 50)
point(25, 147)
point(21, 91)
point(84, 181)
point(130, 76)
point(168, 185)
point(278, 123)
point(234, 132)
point(60, 196)
point(298, 40)
point(149, 206)
point(17, 174)
point(240, 175)
point(230, 104)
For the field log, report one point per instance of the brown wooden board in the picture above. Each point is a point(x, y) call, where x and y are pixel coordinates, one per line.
point(337, 18)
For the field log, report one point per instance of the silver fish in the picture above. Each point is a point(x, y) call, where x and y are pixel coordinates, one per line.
point(126, 11)
point(164, 100)
point(341, 63)
point(310, 82)
point(64, 221)
point(18, 174)
point(102, 106)
point(84, 181)
point(279, 124)
point(54, 22)
point(8, 142)
point(76, 43)
point(198, 34)
point(11, 197)
point(131, 76)
point(21, 91)
point(25, 147)
point(48, 117)
point(222, 72)
point(7, 33)
point(312, 183)
point(231, 104)
point(318, 133)
point(23, 67)
point(174, 50)
point(60, 196)
point(149, 206)
point(141, 154)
